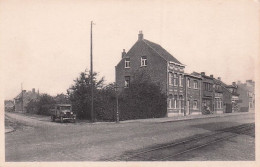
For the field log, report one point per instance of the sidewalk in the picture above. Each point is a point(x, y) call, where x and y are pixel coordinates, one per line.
point(183, 118)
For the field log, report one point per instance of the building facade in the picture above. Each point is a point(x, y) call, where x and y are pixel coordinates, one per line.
point(193, 98)
point(246, 93)
point(163, 69)
point(218, 96)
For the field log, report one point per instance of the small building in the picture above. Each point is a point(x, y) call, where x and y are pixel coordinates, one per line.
point(193, 98)
point(163, 69)
point(246, 93)
point(21, 100)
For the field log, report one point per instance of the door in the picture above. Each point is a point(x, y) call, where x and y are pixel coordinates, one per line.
point(188, 107)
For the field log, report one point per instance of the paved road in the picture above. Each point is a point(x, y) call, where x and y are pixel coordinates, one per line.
point(41, 140)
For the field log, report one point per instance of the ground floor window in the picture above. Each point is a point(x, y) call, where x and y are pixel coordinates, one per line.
point(218, 103)
point(195, 104)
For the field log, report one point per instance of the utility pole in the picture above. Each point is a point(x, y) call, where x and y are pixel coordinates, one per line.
point(22, 96)
point(91, 76)
point(117, 110)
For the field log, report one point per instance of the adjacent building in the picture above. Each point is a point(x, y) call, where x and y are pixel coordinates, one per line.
point(246, 93)
point(218, 96)
point(193, 97)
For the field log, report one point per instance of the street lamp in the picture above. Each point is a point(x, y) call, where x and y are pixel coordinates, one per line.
point(117, 111)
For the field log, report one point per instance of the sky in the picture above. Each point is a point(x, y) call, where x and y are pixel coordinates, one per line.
point(46, 44)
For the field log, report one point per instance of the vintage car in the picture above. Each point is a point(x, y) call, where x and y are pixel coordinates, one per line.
point(63, 112)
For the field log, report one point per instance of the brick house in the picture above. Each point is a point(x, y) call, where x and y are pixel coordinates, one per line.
point(162, 68)
point(235, 96)
point(207, 92)
point(21, 100)
point(246, 96)
point(193, 98)
point(218, 96)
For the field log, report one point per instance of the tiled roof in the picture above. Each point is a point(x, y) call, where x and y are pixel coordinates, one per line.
point(161, 51)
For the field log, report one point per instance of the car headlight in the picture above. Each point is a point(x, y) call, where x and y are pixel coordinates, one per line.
point(71, 113)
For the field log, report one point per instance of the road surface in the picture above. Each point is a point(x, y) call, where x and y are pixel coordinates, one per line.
point(38, 139)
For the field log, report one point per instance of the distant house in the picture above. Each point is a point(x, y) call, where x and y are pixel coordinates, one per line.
point(163, 69)
point(246, 96)
point(9, 105)
point(21, 100)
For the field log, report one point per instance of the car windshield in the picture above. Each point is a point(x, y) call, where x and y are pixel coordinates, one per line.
point(65, 107)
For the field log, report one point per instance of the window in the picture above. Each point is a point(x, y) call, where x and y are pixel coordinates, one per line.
point(250, 105)
point(127, 62)
point(196, 85)
point(175, 104)
point(170, 78)
point(188, 82)
point(175, 80)
point(195, 105)
point(180, 80)
point(127, 81)
point(143, 61)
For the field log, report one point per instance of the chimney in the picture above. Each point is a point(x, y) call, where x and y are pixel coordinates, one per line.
point(211, 76)
point(219, 78)
point(123, 53)
point(140, 35)
point(33, 90)
point(202, 73)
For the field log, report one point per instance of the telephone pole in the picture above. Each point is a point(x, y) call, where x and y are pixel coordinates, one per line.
point(22, 96)
point(91, 76)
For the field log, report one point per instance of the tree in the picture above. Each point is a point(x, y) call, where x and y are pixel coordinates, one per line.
point(62, 99)
point(42, 105)
point(80, 94)
point(143, 99)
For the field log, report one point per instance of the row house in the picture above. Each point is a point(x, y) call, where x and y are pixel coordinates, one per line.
point(193, 97)
point(235, 97)
point(218, 96)
point(207, 92)
point(162, 68)
point(246, 93)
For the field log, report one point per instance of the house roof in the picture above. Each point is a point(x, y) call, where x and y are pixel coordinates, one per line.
point(161, 51)
point(27, 96)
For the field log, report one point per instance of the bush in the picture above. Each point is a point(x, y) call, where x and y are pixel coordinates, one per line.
point(144, 99)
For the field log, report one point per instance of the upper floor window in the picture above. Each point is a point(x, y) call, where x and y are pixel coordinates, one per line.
point(127, 62)
point(143, 61)
point(170, 78)
point(180, 80)
point(196, 84)
point(175, 79)
point(188, 82)
point(127, 81)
